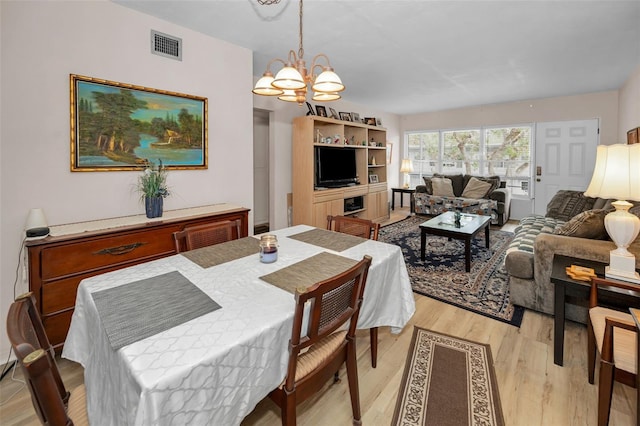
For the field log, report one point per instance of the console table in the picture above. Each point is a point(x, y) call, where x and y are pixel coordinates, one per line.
point(76, 251)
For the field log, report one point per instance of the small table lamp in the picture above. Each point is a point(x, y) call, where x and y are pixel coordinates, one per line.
point(406, 167)
point(617, 175)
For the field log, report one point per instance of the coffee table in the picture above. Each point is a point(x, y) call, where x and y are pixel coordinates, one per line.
point(445, 225)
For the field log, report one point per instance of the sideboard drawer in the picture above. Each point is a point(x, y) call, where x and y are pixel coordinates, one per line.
point(98, 253)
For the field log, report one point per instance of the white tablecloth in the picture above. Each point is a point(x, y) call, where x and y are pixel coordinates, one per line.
point(214, 369)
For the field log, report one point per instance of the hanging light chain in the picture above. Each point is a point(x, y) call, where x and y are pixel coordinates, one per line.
point(301, 48)
point(268, 2)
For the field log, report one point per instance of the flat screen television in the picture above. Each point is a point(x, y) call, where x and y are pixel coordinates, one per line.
point(335, 167)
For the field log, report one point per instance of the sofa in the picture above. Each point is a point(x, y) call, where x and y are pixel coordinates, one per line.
point(572, 226)
point(485, 195)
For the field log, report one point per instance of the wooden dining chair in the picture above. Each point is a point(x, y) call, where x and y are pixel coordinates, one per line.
point(363, 228)
point(354, 226)
point(198, 236)
point(614, 335)
point(317, 354)
point(52, 402)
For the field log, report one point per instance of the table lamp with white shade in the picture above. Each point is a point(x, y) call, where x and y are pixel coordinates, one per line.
point(617, 175)
point(406, 167)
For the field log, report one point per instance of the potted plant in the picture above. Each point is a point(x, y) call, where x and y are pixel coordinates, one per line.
point(152, 186)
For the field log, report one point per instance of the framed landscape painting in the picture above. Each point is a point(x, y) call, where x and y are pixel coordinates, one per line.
point(118, 126)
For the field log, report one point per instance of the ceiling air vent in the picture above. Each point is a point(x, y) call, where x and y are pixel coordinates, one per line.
point(166, 45)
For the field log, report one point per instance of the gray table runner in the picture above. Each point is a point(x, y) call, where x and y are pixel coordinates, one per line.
point(135, 311)
point(207, 257)
point(309, 271)
point(331, 240)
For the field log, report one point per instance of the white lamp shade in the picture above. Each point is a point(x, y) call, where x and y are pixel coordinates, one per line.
point(406, 166)
point(264, 87)
point(616, 173)
point(328, 81)
point(288, 78)
point(35, 219)
point(325, 97)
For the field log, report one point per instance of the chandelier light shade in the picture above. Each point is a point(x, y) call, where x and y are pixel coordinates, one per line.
point(291, 82)
point(617, 175)
point(406, 167)
point(264, 86)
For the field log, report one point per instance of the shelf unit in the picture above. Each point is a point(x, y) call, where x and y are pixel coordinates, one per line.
point(311, 206)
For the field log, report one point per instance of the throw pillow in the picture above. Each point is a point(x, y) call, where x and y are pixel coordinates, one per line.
point(427, 184)
point(457, 182)
point(476, 188)
point(588, 224)
point(442, 187)
point(568, 203)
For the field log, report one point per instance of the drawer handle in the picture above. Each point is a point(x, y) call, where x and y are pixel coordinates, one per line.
point(117, 251)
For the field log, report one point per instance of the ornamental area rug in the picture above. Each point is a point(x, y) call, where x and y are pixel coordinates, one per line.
point(442, 276)
point(447, 381)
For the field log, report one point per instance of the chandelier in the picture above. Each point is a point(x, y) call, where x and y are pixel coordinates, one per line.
point(290, 83)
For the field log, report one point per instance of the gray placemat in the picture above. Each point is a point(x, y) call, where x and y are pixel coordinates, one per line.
point(135, 311)
point(331, 240)
point(309, 271)
point(207, 257)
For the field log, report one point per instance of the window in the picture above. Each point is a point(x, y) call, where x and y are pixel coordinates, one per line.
point(488, 151)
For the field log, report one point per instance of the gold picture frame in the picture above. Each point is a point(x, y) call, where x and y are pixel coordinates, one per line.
point(118, 126)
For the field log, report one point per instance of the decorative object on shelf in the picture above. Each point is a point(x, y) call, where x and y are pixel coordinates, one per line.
point(322, 111)
point(152, 186)
point(370, 121)
point(345, 116)
point(617, 175)
point(36, 225)
point(406, 167)
point(333, 113)
point(310, 108)
point(378, 121)
point(373, 179)
point(105, 133)
point(290, 83)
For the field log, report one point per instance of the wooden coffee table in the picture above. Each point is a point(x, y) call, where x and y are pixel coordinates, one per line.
point(444, 225)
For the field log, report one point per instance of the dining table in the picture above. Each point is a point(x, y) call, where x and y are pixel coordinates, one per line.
point(201, 337)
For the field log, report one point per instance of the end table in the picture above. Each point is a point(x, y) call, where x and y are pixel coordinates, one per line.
point(402, 191)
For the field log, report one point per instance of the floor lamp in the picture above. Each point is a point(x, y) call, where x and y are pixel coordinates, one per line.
point(617, 175)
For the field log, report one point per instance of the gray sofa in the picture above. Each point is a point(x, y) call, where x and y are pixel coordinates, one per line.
point(529, 258)
point(496, 203)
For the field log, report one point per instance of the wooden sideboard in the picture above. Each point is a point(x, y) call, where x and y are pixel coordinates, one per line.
point(74, 252)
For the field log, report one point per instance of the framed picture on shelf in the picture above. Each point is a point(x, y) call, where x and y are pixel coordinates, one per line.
point(345, 116)
point(378, 121)
point(322, 111)
point(355, 117)
point(373, 179)
point(370, 121)
point(119, 126)
point(310, 108)
point(333, 113)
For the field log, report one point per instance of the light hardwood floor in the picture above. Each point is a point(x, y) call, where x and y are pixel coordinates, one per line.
point(533, 390)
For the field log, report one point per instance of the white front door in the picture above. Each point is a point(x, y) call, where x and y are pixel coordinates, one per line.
point(565, 157)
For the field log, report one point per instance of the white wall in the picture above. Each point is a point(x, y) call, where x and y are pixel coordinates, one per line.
point(42, 43)
point(602, 105)
point(629, 106)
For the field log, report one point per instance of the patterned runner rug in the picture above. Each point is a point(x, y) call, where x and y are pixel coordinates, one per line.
point(447, 381)
point(442, 276)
